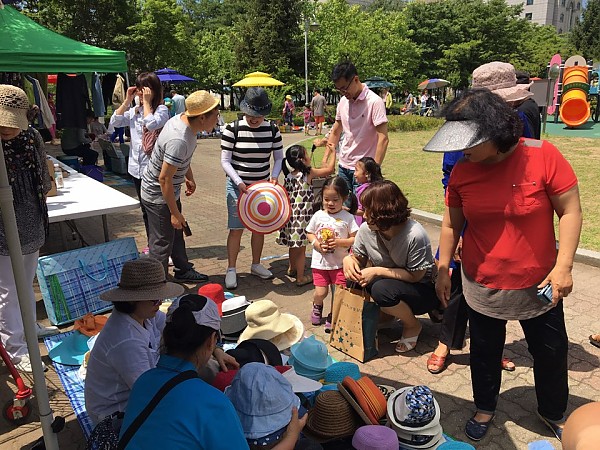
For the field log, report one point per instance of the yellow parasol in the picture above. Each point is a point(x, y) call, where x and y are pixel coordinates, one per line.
point(258, 79)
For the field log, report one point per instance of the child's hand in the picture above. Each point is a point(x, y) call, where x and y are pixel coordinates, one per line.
point(331, 244)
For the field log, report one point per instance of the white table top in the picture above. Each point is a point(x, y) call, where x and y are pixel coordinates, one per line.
point(83, 196)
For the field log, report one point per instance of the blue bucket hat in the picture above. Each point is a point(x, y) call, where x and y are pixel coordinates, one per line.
point(311, 354)
point(70, 350)
point(305, 371)
point(263, 399)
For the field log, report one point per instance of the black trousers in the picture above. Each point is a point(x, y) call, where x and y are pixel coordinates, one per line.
point(420, 297)
point(90, 157)
point(456, 316)
point(547, 342)
point(137, 182)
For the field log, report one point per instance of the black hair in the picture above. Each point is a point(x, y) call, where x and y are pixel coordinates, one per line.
point(182, 336)
point(294, 156)
point(372, 169)
point(345, 70)
point(151, 80)
point(496, 119)
point(338, 184)
point(124, 307)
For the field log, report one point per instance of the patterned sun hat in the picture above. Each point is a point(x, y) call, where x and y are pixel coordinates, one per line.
point(14, 105)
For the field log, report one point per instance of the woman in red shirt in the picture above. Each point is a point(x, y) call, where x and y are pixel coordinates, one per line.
point(508, 188)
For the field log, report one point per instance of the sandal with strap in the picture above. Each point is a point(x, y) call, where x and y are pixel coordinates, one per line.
point(595, 340)
point(409, 343)
point(437, 361)
point(508, 365)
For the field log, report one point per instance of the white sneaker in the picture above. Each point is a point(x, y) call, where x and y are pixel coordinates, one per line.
point(231, 279)
point(43, 331)
point(260, 271)
point(24, 365)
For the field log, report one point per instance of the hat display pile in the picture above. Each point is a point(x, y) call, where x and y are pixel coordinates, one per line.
point(265, 321)
point(310, 358)
point(414, 414)
point(215, 292)
point(233, 320)
point(336, 373)
point(256, 350)
point(264, 207)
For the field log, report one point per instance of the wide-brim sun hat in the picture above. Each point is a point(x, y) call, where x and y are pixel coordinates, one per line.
point(256, 103)
point(215, 292)
point(265, 207)
point(14, 105)
point(331, 418)
point(501, 79)
point(456, 136)
point(70, 350)
point(199, 102)
point(375, 437)
point(265, 321)
point(305, 371)
point(141, 280)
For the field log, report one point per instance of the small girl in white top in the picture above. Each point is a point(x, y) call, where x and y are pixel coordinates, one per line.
point(331, 231)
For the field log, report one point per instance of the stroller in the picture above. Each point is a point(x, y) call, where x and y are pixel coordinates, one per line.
point(17, 410)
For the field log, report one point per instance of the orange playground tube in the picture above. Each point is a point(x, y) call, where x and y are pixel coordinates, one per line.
point(574, 106)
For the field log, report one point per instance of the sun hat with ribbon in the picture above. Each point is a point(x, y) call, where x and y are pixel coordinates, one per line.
point(263, 399)
point(375, 437)
point(203, 309)
point(70, 350)
point(90, 325)
point(264, 208)
point(256, 102)
point(14, 105)
point(233, 320)
point(199, 102)
point(365, 397)
point(256, 350)
point(215, 292)
point(265, 321)
point(331, 418)
point(142, 279)
point(501, 79)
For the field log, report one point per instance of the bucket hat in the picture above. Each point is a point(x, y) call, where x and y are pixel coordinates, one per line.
point(215, 292)
point(14, 105)
point(305, 371)
point(336, 372)
point(70, 350)
point(199, 102)
point(90, 325)
point(331, 418)
point(203, 309)
point(234, 318)
point(365, 397)
point(501, 79)
point(256, 102)
point(256, 350)
point(375, 437)
point(311, 354)
point(265, 321)
point(142, 279)
point(263, 399)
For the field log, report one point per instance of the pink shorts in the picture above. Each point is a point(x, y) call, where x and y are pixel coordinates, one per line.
point(322, 277)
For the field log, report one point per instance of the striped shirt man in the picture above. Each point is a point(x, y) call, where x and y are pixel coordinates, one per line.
point(248, 159)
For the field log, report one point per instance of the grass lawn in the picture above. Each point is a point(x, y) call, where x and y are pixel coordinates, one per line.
point(419, 175)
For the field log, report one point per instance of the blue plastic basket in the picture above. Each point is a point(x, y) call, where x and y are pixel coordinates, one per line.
point(71, 282)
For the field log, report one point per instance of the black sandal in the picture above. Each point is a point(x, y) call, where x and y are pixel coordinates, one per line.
point(477, 430)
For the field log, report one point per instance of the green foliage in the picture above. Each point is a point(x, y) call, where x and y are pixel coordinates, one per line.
point(540, 44)
point(413, 123)
point(585, 36)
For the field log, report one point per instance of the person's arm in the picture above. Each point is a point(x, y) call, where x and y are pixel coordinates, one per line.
point(165, 179)
point(382, 142)
point(226, 156)
point(396, 273)
point(128, 99)
point(82, 136)
point(292, 433)
point(190, 183)
point(327, 169)
point(452, 225)
point(568, 209)
point(225, 360)
point(332, 141)
point(312, 240)
point(277, 163)
point(353, 265)
point(156, 120)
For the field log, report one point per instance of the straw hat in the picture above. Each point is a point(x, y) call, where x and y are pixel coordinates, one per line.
point(500, 78)
point(375, 437)
point(365, 397)
point(265, 321)
point(199, 102)
point(331, 418)
point(142, 279)
point(14, 105)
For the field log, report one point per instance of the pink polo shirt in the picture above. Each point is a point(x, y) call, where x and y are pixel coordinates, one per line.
point(359, 118)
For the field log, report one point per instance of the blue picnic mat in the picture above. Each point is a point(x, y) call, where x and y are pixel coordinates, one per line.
point(72, 383)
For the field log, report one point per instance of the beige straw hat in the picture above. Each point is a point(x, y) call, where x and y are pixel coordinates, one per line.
point(14, 105)
point(199, 102)
point(501, 79)
point(142, 279)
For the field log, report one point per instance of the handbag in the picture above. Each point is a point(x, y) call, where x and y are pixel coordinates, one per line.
point(71, 282)
point(149, 138)
point(354, 323)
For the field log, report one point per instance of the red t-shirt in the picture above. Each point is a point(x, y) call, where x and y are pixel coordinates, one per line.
point(509, 241)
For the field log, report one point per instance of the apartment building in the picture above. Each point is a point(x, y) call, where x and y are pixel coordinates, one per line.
point(561, 14)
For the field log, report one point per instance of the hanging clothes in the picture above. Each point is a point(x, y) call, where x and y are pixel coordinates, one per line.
point(97, 97)
point(108, 85)
point(45, 118)
point(119, 93)
point(72, 101)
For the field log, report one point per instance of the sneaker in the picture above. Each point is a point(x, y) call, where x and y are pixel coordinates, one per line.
point(317, 314)
point(43, 331)
point(24, 365)
point(261, 272)
point(191, 275)
point(231, 278)
point(328, 323)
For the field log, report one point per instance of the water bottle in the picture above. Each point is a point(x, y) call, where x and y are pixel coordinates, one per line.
point(58, 177)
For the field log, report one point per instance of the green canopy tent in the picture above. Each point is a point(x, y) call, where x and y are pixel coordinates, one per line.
point(26, 46)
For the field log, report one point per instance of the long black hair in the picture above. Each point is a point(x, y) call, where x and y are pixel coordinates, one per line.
point(372, 169)
point(339, 185)
point(151, 80)
point(294, 157)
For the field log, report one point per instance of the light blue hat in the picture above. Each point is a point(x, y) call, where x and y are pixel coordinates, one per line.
point(305, 371)
point(311, 354)
point(263, 399)
point(70, 350)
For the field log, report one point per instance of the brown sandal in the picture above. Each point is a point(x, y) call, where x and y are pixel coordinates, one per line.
point(437, 361)
point(508, 365)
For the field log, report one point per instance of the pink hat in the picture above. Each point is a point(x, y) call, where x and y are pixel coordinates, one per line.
point(500, 78)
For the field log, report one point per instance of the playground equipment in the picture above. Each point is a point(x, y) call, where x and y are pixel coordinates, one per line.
point(574, 105)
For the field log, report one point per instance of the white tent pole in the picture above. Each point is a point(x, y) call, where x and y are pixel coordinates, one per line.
point(23, 291)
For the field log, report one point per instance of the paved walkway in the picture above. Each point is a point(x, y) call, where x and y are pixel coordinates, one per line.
point(515, 425)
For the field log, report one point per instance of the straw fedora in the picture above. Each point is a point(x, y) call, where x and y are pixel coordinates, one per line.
point(331, 418)
point(14, 105)
point(265, 321)
point(142, 279)
point(500, 78)
point(365, 397)
point(199, 102)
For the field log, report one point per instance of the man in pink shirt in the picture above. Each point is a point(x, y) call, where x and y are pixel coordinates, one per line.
point(361, 116)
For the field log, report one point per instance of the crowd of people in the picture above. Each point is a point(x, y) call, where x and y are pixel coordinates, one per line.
point(503, 187)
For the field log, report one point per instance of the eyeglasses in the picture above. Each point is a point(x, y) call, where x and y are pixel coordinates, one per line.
point(345, 89)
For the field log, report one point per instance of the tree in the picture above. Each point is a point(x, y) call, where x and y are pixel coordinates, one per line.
point(585, 35)
point(541, 43)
